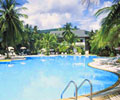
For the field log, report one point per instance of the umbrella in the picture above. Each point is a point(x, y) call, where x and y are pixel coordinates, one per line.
point(43, 49)
point(51, 49)
point(10, 48)
point(23, 48)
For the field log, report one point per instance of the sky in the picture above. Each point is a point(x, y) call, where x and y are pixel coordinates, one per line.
point(47, 14)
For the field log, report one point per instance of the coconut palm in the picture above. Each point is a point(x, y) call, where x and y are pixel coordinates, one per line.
point(11, 25)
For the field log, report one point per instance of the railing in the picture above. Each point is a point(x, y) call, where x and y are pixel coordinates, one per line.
point(67, 88)
point(91, 87)
point(77, 88)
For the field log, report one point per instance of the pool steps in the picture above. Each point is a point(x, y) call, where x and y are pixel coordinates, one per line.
point(77, 88)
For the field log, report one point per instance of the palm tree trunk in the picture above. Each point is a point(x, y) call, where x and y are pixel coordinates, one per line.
point(7, 51)
point(7, 46)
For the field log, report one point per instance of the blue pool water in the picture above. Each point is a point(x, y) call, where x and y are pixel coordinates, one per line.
point(44, 78)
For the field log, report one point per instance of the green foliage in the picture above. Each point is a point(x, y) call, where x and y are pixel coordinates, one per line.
point(11, 27)
point(48, 42)
point(108, 37)
point(118, 61)
point(71, 51)
point(67, 34)
point(69, 37)
point(63, 47)
point(79, 50)
point(83, 51)
point(112, 55)
point(109, 32)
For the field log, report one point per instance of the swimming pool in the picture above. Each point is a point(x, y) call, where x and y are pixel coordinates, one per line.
point(44, 78)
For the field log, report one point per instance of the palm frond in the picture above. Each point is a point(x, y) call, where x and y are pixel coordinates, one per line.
point(103, 10)
point(21, 8)
point(22, 15)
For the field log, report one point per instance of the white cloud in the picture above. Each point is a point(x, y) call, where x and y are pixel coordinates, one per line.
point(55, 13)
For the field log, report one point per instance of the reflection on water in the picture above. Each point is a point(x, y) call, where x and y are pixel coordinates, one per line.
point(44, 78)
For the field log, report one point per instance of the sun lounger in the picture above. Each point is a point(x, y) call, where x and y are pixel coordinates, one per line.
point(65, 53)
point(111, 61)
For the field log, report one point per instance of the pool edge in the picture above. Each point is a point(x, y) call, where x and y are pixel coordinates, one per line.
point(104, 90)
point(109, 88)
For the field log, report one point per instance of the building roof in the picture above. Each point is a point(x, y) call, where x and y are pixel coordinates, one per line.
point(78, 33)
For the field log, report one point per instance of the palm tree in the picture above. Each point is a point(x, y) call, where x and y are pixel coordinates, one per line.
point(35, 29)
point(11, 27)
point(28, 39)
point(111, 24)
point(63, 46)
point(89, 2)
point(67, 31)
point(49, 41)
point(69, 36)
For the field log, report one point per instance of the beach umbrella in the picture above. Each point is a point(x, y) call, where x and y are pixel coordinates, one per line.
point(51, 50)
point(43, 49)
point(23, 48)
point(10, 48)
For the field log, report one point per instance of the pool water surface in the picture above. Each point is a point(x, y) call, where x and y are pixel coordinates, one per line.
point(44, 78)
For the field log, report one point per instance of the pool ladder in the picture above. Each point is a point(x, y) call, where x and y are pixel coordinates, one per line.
point(77, 88)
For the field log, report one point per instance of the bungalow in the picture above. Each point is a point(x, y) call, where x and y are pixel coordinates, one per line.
point(82, 35)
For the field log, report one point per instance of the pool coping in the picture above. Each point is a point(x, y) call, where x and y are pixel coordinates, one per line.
point(5, 60)
point(9, 60)
point(102, 91)
point(112, 86)
point(24, 57)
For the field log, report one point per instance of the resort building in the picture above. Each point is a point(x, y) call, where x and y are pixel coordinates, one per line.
point(82, 36)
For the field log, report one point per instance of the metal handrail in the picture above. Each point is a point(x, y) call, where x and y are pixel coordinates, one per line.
point(91, 87)
point(67, 88)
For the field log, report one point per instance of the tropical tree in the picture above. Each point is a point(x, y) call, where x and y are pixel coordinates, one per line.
point(108, 37)
point(49, 41)
point(67, 29)
point(63, 47)
point(35, 29)
point(11, 27)
point(111, 24)
point(89, 2)
point(37, 38)
point(67, 34)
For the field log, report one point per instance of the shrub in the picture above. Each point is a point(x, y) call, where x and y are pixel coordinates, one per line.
point(71, 51)
point(83, 52)
point(112, 55)
point(118, 61)
point(79, 50)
